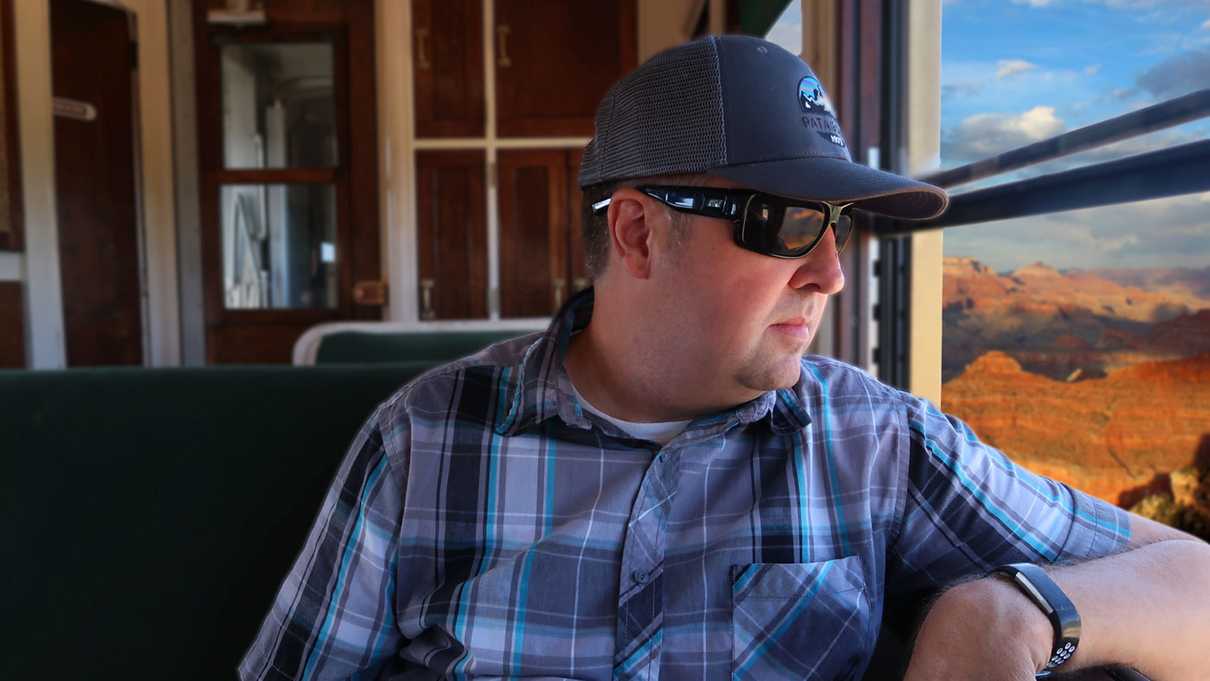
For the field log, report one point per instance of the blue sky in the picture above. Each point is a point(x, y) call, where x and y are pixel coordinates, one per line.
point(1017, 71)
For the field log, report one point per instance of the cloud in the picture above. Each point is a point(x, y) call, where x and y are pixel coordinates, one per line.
point(1177, 75)
point(1092, 69)
point(1206, 25)
point(961, 90)
point(1033, 3)
point(1006, 68)
point(986, 134)
point(1170, 232)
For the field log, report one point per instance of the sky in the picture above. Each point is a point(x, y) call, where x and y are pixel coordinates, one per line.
point(1019, 71)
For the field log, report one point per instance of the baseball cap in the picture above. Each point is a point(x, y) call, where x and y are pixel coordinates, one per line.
point(747, 110)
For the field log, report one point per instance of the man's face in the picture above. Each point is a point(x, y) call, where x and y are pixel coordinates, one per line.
point(747, 315)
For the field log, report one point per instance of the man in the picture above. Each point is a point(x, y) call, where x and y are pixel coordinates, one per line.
point(663, 486)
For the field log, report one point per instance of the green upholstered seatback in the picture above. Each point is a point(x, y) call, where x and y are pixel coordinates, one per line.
point(359, 347)
point(149, 515)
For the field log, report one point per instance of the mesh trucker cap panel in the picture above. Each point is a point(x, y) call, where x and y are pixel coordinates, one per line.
point(767, 118)
point(665, 118)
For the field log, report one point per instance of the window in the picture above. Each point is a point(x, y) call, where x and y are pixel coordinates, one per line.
point(279, 241)
point(287, 143)
point(1079, 342)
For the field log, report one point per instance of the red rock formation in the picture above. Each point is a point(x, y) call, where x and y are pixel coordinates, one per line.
point(1105, 435)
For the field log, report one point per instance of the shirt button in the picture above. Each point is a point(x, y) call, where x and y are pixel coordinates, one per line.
point(640, 576)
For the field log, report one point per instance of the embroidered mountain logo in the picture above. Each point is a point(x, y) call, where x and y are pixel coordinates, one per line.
point(812, 98)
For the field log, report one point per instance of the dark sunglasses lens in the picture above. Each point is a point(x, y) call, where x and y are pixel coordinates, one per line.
point(800, 229)
point(760, 225)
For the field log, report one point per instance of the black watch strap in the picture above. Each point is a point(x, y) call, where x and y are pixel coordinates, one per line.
point(1058, 608)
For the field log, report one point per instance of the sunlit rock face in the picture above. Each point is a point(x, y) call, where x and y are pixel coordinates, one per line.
point(1098, 378)
point(1120, 437)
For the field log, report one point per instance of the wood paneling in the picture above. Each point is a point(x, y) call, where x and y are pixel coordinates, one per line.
point(365, 260)
point(534, 226)
point(252, 343)
point(11, 215)
point(12, 325)
point(555, 60)
point(95, 185)
point(447, 67)
point(452, 234)
point(575, 221)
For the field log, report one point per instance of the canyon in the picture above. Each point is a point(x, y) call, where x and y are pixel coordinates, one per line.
point(1099, 378)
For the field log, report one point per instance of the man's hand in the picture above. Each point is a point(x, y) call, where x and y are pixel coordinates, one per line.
point(985, 629)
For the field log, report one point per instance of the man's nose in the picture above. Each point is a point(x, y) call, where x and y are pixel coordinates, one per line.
point(820, 269)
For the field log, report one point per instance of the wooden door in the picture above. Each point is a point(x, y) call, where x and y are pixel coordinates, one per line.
point(453, 234)
point(10, 150)
point(92, 56)
point(534, 226)
point(556, 59)
point(287, 150)
point(577, 268)
point(447, 62)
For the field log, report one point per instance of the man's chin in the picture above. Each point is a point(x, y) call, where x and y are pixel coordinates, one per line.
point(783, 372)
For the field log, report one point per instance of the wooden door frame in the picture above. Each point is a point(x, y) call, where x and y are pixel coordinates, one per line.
point(355, 178)
point(43, 295)
point(129, 17)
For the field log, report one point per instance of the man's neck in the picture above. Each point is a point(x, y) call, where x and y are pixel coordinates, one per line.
point(617, 374)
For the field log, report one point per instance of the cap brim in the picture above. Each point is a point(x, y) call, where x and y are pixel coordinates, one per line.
point(841, 181)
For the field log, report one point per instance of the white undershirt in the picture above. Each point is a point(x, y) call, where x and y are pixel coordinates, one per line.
point(660, 431)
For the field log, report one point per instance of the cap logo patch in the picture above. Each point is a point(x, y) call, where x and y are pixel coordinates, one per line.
point(812, 98)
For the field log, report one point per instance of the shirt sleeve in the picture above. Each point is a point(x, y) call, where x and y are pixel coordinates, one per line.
point(333, 617)
point(969, 508)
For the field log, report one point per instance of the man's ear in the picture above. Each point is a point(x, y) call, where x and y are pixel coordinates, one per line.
point(630, 233)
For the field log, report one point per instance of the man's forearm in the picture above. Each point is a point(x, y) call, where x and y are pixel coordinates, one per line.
point(1149, 607)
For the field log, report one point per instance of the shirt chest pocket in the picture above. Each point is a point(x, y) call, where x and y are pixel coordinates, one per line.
point(800, 620)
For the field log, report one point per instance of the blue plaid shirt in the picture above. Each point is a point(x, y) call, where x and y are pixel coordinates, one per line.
point(483, 524)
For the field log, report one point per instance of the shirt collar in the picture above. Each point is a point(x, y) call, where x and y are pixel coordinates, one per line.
point(539, 388)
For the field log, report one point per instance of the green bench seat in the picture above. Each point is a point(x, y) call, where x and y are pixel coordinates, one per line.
point(149, 515)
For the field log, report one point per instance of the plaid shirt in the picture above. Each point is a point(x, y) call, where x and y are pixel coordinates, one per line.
point(484, 524)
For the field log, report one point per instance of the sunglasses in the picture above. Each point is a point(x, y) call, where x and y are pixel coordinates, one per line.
point(764, 223)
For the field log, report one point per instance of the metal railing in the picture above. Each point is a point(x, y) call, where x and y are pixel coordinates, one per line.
point(1183, 169)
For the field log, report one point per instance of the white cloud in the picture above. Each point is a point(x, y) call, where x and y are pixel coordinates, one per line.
point(1006, 68)
point(1169, 232)
point(1039, 122)
point(1033, 3)
point(1092, 69)
point(1206, 25)
point(986, 134)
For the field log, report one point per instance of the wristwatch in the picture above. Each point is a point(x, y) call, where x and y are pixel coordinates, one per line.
point(1042, 590)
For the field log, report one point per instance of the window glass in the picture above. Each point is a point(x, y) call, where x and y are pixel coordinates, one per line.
point(278, 105)
point(279, 246)
point(786, 32)
point(1079, 342)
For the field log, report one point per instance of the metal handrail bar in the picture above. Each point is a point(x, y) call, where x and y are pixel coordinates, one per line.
point(1183, 169)
point(1173, 112)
